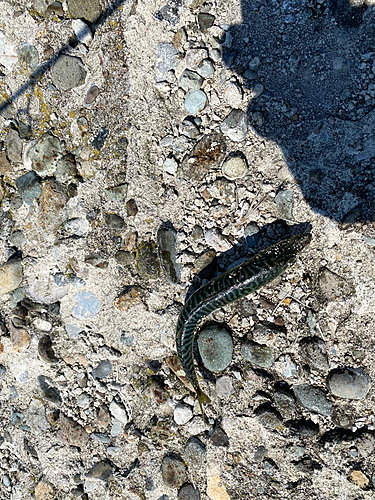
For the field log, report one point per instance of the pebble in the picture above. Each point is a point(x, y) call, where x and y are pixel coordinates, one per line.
point(119, 412)
point(216, 240)
point(124, 258)
point(19, 338)
point(17, 238)
point(91, 95)
point(195, 101)
point(101, 470)
point(28, 59)
point(44, 491)
point(219, 437)
point(131, 208)
point(268, 417)
point(68, 72)
point(91, 11)
point(215, 55)
point(103, 370)
point(99, 437)
point(234, 167)
point(82, 31)
point(249, 74)
point(8, 53)
point(73, 330)
point(205, 265)
point(197, 233)
point(182, 414)
point(313, 352)
point(85, 305)
point(332, 286)
point(194, 56)
point(116, 427)
point(167, 57)
point(188, 492)
point(207, 153)
point(224, 387)
point(215, 347)
point(11, 276)
point(258, 354)
point(173, 471)
point(205, 21)
point(71, 433)
point(252, 235)
point(14, 146)
point(45, 350)
point(313, 398)
point(195, 453)
point(357, 477)
point(205, 68)
point(235, 125)
point(113, 451)
point(147, 260)
point(170, 166)
point(166, 237)
point(3, 371)
point(117, 193)
point(284, 202)
point(190, 80)
point(285, 401)
point(5, 165)
point(79, 226)
point(233, 94)
point(130, 297)
point(114, 221)
point(189, 128)
point(52, 203)
point(348, 383)
point(83, 401)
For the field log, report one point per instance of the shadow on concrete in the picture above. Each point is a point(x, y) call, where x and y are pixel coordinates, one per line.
point(313, 65)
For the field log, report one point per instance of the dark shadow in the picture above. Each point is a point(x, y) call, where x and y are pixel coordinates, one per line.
point(65, 49)
point(316, 79)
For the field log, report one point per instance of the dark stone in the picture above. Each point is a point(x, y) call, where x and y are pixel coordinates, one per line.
point(168, 253)
point(303, 427)
point(29, 187)
point(103, 369)
point(99, 140)
point(45, 350)
point(131, 208)
point(173, 471)
point(114, 221)
point(206, 154)
point(188, 492)
point(101, 470)
point(313, 352)
point(332, 286)
point(147, 260)
point(219, 437)
point(205, 21)
point(268, 416)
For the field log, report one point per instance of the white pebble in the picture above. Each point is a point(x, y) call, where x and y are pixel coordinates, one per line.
point(182, 414)
point(118, 412)
point(216, 240)
point(42, 325)
point(82, 31)
point(170, 166)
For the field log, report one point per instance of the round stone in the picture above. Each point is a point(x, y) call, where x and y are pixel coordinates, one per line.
point(182, 414)
point(103, 369)
point(349, 383)
point(195, 101)
point(11, 275)
point(188, 492)
point(86, 305)
point(234, 167)
point(173, 471)
point(195, 453)
point(68, 72)
point(206, 68)
point(215, 347)
point(235, 125)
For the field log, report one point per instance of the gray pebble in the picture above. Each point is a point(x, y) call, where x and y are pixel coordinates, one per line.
point(195, 453)
point(100, 437)
point(127, 340)
point(78, 226)
point(219, 437)
point(284, 202)
point(170, 166)
point(68, 72)
point(11, 275)
point(16, 417)
point(197, 233)
point(29, 187)
point(249, 74)
point(268, 417)
point(285, 402)
point(206, 68)
point(188, 492)
point(28, 59)
point(17, 239)
point(14, 146)
point(3, 371)
point(103, 369)
point(332, 286)
point(73, 330)
point(215, 239)
point(313, 398)
point(205, 21)
point(82, 31)
point(260, 454)
point(235, 125)
point(91, 11)
point(224, 387)
point(118, 411)
point(114, 221)
point(252, 235)
point(190, 80)
point(117, 193)
point(173, 471)
point(215, 347)
point(101, 470)
point(257, 354)
point(113, 451)
point(189, 129)
point(85, 305)
point(167, 56)
point(234, 167)
point(167, 253)
point(83, 400)
point(215, 55)
point(116, 427)
point(195, 101)
point(45, 154)
point(313, 352)
point(349, 383)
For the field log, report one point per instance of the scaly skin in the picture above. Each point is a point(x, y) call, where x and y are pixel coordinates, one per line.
point(234, 284)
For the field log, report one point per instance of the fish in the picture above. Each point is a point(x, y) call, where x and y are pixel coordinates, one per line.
point(226, 288)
